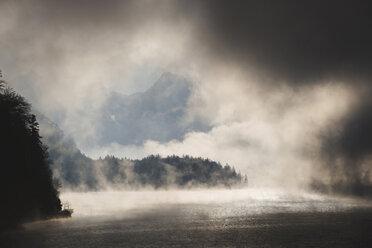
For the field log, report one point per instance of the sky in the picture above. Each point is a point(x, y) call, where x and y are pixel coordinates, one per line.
point(284, 86)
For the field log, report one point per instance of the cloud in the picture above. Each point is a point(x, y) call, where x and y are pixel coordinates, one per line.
point(299, 43)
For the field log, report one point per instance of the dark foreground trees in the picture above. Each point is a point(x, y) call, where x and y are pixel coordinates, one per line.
point(26, 185)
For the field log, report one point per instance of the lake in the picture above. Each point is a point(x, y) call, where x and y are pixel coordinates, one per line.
point(202, 218)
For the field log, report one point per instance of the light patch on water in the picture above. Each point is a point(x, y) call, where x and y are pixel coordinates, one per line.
point(243, 201)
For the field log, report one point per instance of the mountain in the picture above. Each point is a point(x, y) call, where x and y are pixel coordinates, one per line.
point(159, 113)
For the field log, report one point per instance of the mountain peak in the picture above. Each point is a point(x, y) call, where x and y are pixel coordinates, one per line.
point(159, 113)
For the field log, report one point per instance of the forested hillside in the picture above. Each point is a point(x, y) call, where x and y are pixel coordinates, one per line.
point(71, 167)
point(172, 171)
point(26, 185)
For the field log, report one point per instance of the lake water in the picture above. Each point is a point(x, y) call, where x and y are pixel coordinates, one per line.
point(202, 218)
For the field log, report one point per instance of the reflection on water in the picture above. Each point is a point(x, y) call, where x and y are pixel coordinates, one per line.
point(209, 218)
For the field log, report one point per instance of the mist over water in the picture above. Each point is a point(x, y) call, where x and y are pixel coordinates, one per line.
point(202, 218)
point(213, 210)
point(236, 201)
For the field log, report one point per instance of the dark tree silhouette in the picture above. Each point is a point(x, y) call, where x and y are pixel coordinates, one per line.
point(26, 186)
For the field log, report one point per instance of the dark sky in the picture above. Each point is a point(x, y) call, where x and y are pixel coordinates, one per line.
point(301, 42)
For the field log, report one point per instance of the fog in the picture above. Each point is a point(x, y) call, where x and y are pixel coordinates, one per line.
point(283, 87)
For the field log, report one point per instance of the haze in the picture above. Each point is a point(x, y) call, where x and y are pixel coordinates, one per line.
point(272, 91)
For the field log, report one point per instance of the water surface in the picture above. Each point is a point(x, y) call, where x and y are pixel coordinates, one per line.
point(208, 218)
